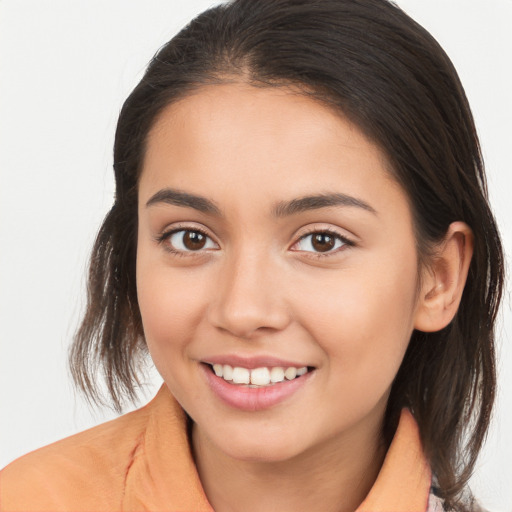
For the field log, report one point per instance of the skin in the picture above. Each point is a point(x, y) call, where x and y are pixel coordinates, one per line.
point(258, 287)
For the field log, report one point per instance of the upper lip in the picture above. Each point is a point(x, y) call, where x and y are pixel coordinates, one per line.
point(251, 362)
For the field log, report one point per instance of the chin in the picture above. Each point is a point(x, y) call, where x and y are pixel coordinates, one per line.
point(260, 447)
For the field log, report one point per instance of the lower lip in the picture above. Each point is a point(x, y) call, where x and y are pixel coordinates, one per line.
point(253, 399)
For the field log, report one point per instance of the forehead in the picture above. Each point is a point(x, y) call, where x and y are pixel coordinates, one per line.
point(279, 113)
point(275, 140)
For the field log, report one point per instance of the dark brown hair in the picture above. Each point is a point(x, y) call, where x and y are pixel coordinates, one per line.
point(387, 74)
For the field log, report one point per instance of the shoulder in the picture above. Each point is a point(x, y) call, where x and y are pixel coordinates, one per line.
point(83, 472)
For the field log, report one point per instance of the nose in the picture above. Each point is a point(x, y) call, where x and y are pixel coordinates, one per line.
point(250, 299)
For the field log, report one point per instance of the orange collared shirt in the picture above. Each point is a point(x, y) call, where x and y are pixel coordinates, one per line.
point(142, 462)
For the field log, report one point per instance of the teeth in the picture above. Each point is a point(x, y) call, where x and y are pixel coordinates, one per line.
point(227, 372)
point(290, 373)
point(241, 375)
point(277, 374)
point(258, 376)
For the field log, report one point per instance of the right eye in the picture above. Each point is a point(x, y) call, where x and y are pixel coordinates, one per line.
point(188, 240)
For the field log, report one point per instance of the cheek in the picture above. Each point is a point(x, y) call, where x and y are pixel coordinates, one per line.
point(169, 306)
point(363, 318)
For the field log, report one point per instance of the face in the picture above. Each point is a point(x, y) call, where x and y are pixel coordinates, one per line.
point(275, 250)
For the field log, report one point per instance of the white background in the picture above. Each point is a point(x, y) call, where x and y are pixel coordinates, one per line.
point(65, 68)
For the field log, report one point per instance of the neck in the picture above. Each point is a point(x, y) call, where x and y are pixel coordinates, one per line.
point(334, 476)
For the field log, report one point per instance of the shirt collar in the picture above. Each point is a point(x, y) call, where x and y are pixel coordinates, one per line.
point(163, 475)
point(403, 483)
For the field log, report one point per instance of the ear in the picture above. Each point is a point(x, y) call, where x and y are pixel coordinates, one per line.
point(444, 279)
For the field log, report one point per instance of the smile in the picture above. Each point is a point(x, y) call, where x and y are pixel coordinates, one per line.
point(257, 377)
point(263, 385)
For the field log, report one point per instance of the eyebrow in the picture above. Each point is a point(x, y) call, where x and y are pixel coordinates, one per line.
point(180, 198)
point(302, 204)
point(280, 209)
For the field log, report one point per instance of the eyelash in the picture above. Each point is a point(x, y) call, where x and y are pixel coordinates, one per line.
point(165, 236)
point(315, 231)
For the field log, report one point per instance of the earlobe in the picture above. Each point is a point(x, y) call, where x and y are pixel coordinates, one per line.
point(444, 280)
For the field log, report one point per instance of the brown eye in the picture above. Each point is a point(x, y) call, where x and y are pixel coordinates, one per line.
point(193, 240)
point(189, 240)
point(322, 242)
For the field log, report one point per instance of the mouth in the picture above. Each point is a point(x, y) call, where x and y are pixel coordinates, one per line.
point(262, 377)
point(256, 383)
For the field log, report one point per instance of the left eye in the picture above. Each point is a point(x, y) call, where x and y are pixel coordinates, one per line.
point(188, 240)
point(320, 242)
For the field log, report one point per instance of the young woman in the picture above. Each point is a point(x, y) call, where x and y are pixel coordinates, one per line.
point(302, 241)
